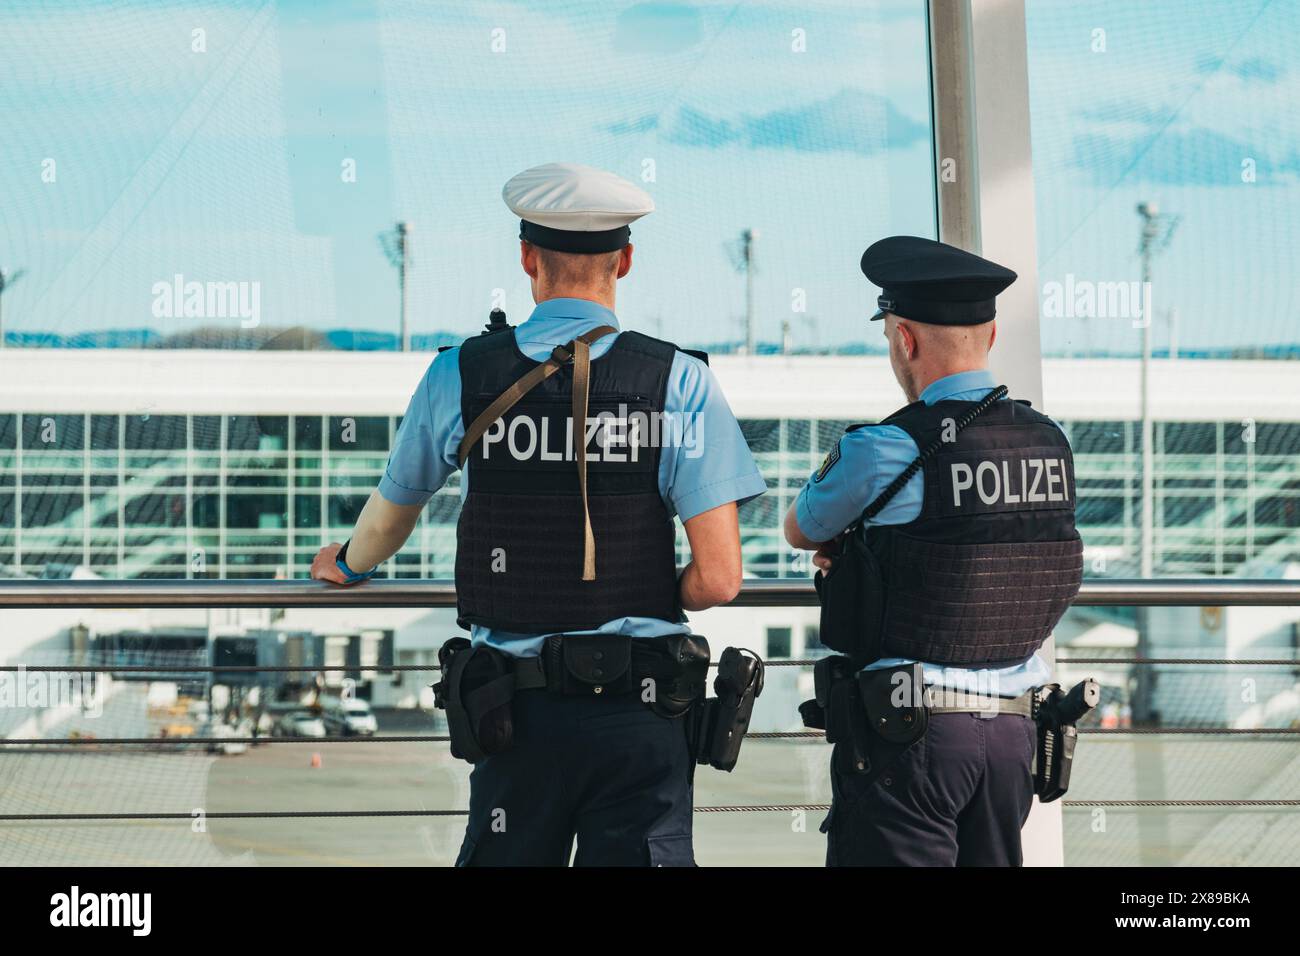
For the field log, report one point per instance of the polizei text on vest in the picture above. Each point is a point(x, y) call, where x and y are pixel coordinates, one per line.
point(610, 437)
point(1029, 481)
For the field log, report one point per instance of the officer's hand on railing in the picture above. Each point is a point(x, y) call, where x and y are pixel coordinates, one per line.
point(324, 566)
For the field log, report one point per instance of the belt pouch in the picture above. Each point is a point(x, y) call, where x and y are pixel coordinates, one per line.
point(589, 665)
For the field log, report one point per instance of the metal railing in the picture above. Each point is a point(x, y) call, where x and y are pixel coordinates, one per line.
point(180, 593)
point(386, 592)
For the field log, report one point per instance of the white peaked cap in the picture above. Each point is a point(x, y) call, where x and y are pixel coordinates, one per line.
point(574, 208)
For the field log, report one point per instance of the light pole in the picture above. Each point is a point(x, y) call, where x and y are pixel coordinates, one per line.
point(1153, 832)
point(397, 247)
point(1156, 233)
point(1157, 230)
point(742, 258)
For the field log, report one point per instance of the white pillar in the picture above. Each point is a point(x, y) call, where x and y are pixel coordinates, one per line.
point(980, 73)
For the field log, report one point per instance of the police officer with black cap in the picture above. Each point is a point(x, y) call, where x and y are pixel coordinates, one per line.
point(947, 552)
point(579, 696)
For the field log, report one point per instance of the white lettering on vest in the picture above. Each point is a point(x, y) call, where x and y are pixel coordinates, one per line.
point(613, 431)
point(523, 421)
point(982, 469)
point(1049, 468)
point(609, 438)
point(546, 453)
point(493, 434)
point(589, 435)
point(641, 430)
point(962, 479)
point(1009, 498)
point(1004, 482)
point(1034, 495)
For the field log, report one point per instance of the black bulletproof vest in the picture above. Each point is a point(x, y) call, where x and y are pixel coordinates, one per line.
point(993, 560)
point(519, 541)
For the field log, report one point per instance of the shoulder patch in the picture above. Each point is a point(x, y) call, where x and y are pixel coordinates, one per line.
point(828, 462)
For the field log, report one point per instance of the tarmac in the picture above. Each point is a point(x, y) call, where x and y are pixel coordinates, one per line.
point(372, 775)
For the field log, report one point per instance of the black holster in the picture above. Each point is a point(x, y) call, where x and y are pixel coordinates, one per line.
point(678, 665)
point(719, 723)
point(837, 709)
point(1056, 713)
point(475, 691)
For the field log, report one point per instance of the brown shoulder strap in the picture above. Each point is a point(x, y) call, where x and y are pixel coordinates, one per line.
point(581, 381)
point(579, 352)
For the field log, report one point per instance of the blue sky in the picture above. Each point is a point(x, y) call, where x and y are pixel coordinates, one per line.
point(225, 165)
point(1183, 93)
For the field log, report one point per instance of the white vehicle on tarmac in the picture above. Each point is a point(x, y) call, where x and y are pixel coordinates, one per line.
point(299, 723)
point(350, 717)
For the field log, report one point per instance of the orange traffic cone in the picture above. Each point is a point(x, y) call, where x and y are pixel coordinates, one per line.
point(315, 761)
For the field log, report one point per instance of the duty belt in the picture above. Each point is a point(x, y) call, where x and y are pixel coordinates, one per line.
point(529, 673)
point(893, 704)
point(677, 665)
point(674, 668)
point(479, 683)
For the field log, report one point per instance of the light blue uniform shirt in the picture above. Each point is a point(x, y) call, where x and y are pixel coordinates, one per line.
point(869, 459)
point(691, 482)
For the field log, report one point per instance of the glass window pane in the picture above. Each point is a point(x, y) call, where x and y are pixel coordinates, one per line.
point(205, 214)
point(1165, 139)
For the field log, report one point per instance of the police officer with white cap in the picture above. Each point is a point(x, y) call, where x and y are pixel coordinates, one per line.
point(947, 551)
point(578, 696)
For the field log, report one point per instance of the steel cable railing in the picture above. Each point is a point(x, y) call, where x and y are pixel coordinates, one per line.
point(398, 668)
point(716, 808)
point(402, 593)
point(99, 742)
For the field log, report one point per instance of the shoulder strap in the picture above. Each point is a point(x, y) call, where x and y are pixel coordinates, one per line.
point(897, 485)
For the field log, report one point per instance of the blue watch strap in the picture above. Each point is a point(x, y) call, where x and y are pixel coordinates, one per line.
point(350, 576)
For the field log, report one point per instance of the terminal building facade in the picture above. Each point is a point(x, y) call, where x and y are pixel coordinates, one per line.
point(201, 463)
point(229, 464)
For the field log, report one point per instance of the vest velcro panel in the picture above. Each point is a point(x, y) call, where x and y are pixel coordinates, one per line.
point(977, 603)
point(528, 588)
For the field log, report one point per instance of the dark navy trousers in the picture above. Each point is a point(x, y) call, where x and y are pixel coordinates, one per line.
point(606, 771)
point(956, 797)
